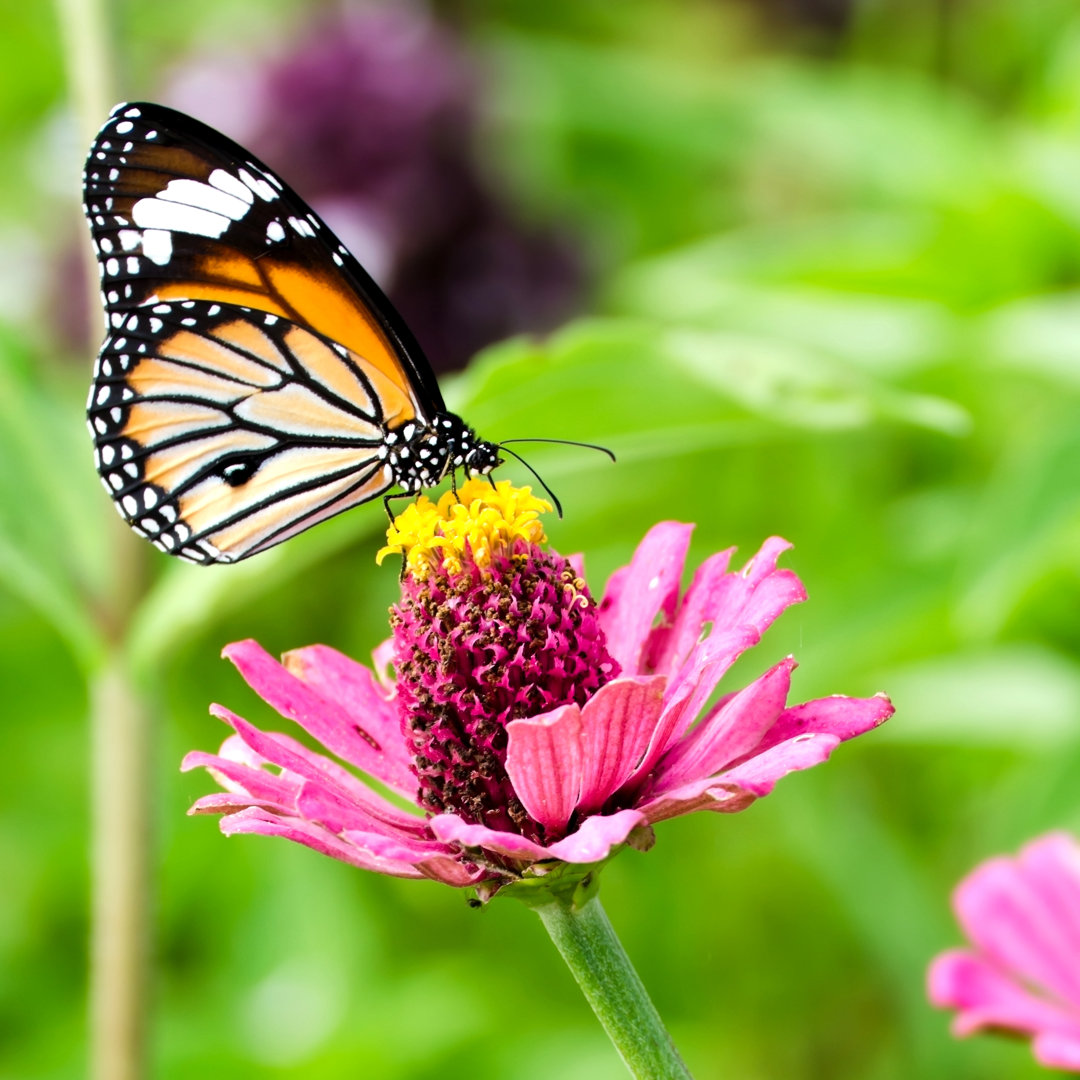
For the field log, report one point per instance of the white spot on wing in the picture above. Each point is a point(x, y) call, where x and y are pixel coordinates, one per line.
point(260, 187)
point(169, 216)
point(157, 246)
point(228, 183)
point(204, 197)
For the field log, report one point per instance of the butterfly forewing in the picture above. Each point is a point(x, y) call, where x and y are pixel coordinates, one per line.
point(179, 212)
point(220, 430)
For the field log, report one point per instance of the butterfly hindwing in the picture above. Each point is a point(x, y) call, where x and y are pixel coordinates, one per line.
point(220, 430)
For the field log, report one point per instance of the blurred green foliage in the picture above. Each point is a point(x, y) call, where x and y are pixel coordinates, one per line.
point(837, 299)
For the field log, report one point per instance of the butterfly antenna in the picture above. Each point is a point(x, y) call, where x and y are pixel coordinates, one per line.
point(565, 442)
point(540, 479)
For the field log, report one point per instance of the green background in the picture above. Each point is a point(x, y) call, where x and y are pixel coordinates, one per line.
point(835, 299)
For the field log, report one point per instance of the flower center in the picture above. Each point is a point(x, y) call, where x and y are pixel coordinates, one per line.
point(478, 522)
point(491, 627)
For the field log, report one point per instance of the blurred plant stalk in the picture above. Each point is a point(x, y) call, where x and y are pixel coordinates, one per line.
point(119, 715)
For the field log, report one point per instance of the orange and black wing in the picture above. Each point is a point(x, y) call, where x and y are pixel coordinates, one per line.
point(179, 212)
point(220, 431)
point(252, 368)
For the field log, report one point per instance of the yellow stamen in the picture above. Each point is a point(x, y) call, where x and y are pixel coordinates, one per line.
point(482, 519)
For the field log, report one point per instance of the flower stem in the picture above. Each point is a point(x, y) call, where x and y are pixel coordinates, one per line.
point(609, 982)
point(119, 717)
point(119, 967)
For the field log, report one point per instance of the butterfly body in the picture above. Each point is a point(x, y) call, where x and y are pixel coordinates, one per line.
point(254, 380)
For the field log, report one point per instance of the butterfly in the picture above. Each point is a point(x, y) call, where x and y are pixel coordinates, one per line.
point(254, 379)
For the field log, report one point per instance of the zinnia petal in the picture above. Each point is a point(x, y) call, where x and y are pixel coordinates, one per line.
point(736, 788)
point(591, 843)
point(1058, 1049)
point(844, 717)
point(734, 728)
point(356, 739)
point(690, 689)
point(725, 600)
point(618, 723)
point(648, 587)
point(543, 761)
point(989, 999)
point(1020, 923)
point(286, 753)
point(1022, 915)
point(258, 822)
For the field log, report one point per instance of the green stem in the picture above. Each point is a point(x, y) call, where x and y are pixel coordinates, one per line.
point(120, 926)
point(119, 717)
point(610, 984)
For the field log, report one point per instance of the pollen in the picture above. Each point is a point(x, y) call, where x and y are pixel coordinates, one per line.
point(477, 523)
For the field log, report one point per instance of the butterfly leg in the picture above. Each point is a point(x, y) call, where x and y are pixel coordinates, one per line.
point(394, 495)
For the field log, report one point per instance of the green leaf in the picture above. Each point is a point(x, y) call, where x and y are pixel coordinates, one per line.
point(1010, 695)
point(51, 542)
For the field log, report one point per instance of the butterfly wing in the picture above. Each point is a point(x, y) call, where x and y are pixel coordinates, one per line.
point(197, 239)
point(220, 431)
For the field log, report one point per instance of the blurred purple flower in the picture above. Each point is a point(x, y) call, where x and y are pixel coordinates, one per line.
point(1022, 915)
point(372, 115)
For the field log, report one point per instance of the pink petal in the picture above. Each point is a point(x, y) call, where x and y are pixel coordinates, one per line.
point(1022, 920)
point(387, 847)
point(597, 836)
point(543, 761)
point(353, 738)
point(1051, 866)
point(326, 806)
point(670, 645)
point(648, 587)
point(257, 822)
point(692, 687)
point(844, 717)
point(617, 724)
point(735, 789)
point(591, 843)
point(288, 754)
point(336, 677)
point(726, 600)
point(382, 660)
point(432, 859)
point(577, 564)
point(729, 731)
point(1058, 1049)
point(987, 998)
point(257, 783)
point(227, 802)
point(452, 829)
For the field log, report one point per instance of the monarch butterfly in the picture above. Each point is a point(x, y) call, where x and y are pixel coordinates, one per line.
point(254, 380)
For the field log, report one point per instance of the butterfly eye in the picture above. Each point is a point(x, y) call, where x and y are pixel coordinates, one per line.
point(237, 469)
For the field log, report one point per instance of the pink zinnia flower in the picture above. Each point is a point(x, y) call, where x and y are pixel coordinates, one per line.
point(536, 729)
point(1023, 916)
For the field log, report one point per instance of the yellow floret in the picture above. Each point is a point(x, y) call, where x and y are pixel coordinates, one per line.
point(483, 519)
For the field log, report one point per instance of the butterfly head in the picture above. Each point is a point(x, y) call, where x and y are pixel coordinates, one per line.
point(482, 458)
